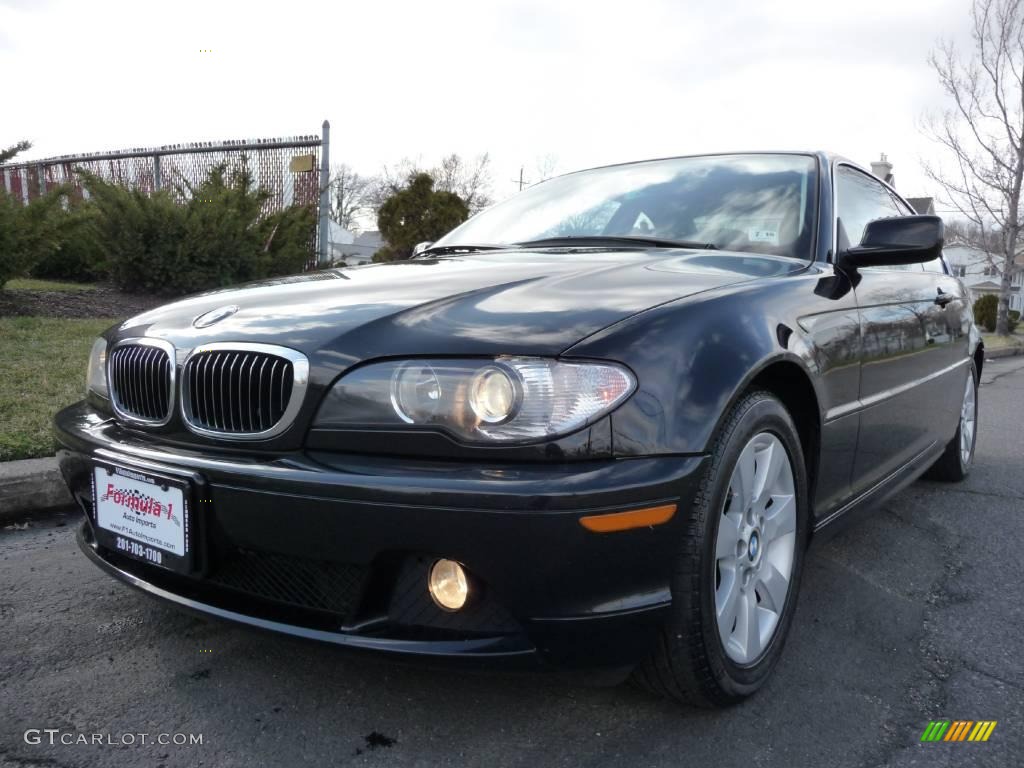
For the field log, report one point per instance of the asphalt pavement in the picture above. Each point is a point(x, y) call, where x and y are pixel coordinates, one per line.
point(915, 614)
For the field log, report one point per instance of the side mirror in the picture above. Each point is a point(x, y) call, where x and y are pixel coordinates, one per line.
point(421, 247)
point(899, 240)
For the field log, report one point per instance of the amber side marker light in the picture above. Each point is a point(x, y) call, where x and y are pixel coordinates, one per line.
point(634, 518)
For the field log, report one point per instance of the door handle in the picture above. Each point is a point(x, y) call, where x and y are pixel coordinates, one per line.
point(943, 298)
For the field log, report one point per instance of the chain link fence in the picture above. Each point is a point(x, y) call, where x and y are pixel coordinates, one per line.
point(287, 168)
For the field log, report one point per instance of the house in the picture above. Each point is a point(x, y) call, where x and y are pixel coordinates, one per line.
point(351, 248)
point(973, 267)
point(923, 205)
point(883, 169)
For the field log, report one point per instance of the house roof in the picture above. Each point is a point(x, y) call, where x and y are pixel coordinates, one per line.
point(990, 285)
point(923, 205)
point(371, 238)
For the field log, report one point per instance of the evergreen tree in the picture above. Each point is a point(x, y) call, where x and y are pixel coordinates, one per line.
point(415, 214)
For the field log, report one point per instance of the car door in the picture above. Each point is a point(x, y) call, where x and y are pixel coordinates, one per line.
point(906, 347)
point(950, 323)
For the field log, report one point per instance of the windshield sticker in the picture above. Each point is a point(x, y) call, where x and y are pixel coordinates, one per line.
point(763, 235)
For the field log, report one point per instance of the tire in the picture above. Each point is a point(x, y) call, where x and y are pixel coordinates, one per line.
point(693, 660)
point(955, 463)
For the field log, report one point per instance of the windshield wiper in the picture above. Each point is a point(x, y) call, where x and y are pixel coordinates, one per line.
point(658, 242)
point(441, 250)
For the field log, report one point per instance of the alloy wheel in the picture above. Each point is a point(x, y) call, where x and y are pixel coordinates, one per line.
point(755, 548)
point(967, 420)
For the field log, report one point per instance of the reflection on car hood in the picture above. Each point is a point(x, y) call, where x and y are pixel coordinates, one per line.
point(510, 302)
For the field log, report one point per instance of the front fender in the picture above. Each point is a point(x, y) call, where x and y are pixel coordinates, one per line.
point(695, 357)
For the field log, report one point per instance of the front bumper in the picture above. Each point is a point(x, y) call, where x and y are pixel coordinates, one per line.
point(335, 547)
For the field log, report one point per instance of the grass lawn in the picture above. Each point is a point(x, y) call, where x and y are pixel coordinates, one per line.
point(993, 341)
point(44, 362)
point(29, 284)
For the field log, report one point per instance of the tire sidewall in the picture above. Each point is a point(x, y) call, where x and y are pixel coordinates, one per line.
point(762, 414)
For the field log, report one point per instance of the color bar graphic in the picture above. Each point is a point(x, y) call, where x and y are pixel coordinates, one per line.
point(959, 730)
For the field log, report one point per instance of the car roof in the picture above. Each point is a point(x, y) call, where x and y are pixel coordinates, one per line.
point(826, 157)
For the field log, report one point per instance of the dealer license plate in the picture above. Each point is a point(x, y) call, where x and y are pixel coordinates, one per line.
point(143, 516)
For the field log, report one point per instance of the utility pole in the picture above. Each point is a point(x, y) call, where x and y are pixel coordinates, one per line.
point(520, 180)
point(325, 194)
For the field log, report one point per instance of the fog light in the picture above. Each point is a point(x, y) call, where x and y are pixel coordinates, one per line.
point(447, 584)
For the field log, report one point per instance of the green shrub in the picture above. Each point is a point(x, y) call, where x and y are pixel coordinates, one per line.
point(985, 309)
point(218, 236)
point(986, 314)
point(79, 255)
point(28, 233)
point(417, 213)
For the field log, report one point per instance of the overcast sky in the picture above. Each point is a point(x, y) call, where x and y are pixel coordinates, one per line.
point(588, 81)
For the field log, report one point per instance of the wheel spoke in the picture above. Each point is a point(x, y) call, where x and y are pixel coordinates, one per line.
point(728, 535)
point(751, 631)
point(773, 587)
point(770, 463)
point(742, 481)
point(780, 518)
point(727, 602)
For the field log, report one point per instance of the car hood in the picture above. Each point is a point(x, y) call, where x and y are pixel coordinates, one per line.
point(509, 302)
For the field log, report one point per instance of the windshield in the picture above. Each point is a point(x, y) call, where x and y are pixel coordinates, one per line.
point(760, 203)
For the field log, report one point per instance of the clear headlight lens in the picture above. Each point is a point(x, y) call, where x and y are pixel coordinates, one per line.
point(96, 373)
point(503, 400)
point(492, 394)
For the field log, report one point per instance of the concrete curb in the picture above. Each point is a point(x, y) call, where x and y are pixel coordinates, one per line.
point(995, 354)
point(30, 485)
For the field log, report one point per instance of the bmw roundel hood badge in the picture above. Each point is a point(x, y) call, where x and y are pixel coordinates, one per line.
point(215, 316)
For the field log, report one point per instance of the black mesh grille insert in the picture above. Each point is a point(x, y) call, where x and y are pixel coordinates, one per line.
point(236, 392)
point(411, 605)
point(316, 584)
point(140, 381)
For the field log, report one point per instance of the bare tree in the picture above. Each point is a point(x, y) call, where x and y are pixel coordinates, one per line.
point(961, 232)
point(469, 179)
point(982, 134)
point(544, 167)
point(350, 196)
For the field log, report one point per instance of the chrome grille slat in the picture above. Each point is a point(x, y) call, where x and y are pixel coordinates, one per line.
point(236, 364)
point(223, 400)
point(149, 393)
point(208, 389)
point(133, 383)
point(141, 381)
point(243, 390)
point(270, 388)
point(138, 382)
point(259, 394)
point(225, 393)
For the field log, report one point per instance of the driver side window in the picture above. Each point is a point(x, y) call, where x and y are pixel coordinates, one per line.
point(859, 199)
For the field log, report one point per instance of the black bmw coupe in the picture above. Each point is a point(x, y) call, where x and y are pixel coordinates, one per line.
point(596, 426)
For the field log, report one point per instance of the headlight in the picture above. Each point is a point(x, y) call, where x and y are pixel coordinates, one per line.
point(503, 400)
point(96, 373)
